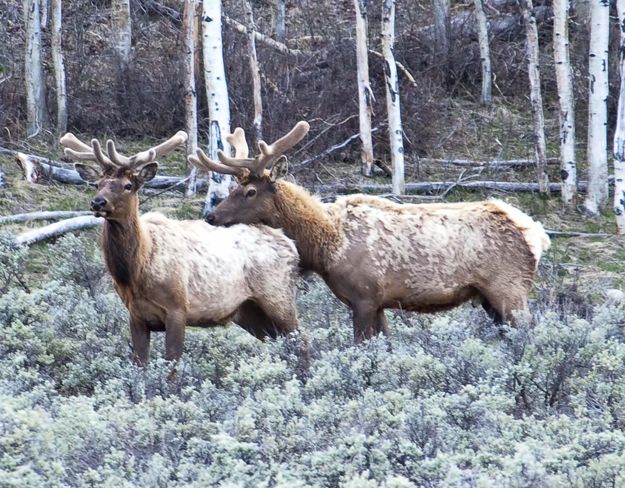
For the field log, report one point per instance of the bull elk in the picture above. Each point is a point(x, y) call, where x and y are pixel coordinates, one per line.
point(171, 273)
point(375, 254)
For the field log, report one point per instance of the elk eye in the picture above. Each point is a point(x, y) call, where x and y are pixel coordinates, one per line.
point(128, 186)
point(251, 192)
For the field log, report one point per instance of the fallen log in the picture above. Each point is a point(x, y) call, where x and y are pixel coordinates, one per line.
point(57, 229)
point(557, 233)
point(440, 186)
point(37, 169)
point(494, 164)
point(33, 216)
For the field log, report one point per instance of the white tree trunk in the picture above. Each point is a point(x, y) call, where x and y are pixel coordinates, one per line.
point(190, 96)
point(619, 134)
point(538, 119)
point(122, 31)
point(568, 166)
point(441, 31)
point(365, 95)
point(59, 67)
point(217, 97)
point(597, 195)
point(280, 20)
point(255, 73)
point(482, 36)
point(395, 131)
point(36, 112)
point(43, 9)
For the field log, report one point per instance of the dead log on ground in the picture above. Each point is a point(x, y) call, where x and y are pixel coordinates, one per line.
point(37, 169)
point(494, 164)
point(57, 229)
point(440, 186)
point(557, 233)
point(48, 215)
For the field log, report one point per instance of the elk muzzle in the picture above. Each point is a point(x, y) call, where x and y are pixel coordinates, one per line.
point(98, 204)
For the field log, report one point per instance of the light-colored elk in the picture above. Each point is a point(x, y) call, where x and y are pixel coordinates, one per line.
point(375, 254)
point(173, 273)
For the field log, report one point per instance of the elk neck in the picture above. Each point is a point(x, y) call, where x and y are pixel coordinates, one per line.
point(305, 220)
point(124, 246)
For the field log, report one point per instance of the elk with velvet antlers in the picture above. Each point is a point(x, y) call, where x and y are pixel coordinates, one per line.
point(375, 254)
point(171, 273)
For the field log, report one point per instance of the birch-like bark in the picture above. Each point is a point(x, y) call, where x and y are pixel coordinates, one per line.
point(395, 131)
point(36, 111)
point(190, 95)
point(482, 37)
point(217, 98)
point(365, 95)
point(280, 20)
point(441, 31)
point(122, 31)
point(597, 195)
point(568, 166)
point(43, 9)
point(255, 73)
point(538, 118)
point(59, 67)
point(619, 133)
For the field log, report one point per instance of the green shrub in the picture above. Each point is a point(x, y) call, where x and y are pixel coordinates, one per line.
point(450, 401)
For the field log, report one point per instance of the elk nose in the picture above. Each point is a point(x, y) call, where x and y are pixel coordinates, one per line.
point(210, 218)
point(98, 203)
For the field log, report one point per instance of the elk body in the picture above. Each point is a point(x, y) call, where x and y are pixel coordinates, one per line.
point(375, 254)
point(171, 273)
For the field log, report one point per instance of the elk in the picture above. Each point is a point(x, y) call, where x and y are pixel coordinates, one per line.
point(171, 273)
point(375, 254)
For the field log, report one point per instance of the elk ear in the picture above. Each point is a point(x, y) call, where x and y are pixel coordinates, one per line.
point(279, 170)
point(147, 172)
point(87, 173)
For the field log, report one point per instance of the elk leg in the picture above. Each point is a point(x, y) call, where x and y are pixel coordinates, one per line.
point(174, 335)
point(140, 336)
point(253, 319)
point(381, 323)
point(365, 321)
point(504, 301)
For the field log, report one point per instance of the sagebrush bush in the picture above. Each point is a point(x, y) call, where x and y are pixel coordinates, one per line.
point(451, 400)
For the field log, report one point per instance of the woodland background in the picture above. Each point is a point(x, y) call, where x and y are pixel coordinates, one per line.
point(456, 402)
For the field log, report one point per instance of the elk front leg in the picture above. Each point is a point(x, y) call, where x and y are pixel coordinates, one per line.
point(174, 335)
point(140, 336)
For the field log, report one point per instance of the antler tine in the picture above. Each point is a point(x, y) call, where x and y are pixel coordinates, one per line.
point(100, 157)
point(270, 153)
point(162, 149)
point(202, 161)
point(248, 163)
point(70, 141)
point(237, 140)
point(115, 157)
point(79, 151)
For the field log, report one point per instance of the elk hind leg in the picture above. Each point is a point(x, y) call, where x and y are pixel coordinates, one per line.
point(504, 301)
point(365, 320)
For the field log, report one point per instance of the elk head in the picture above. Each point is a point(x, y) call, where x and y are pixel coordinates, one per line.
point(253, 200)
point(118, 178)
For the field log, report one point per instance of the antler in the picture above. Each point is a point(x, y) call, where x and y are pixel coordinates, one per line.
point(111, 160)
point(241, 151)
point(268, 153)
